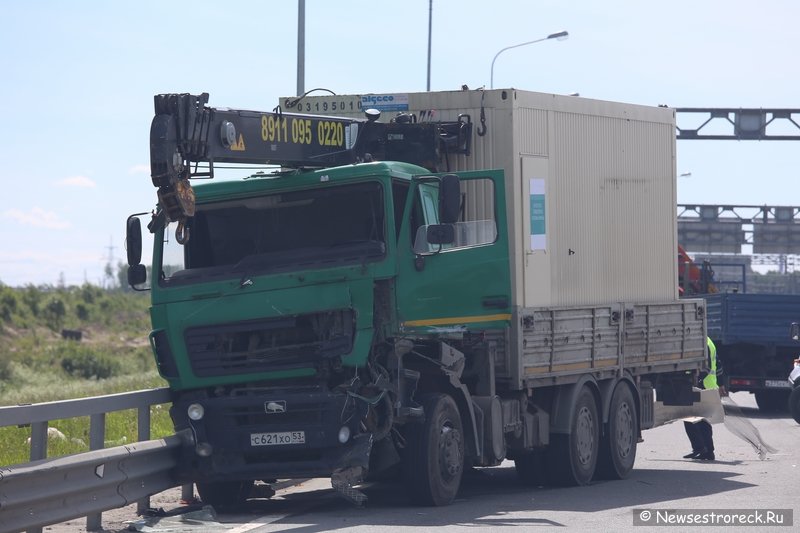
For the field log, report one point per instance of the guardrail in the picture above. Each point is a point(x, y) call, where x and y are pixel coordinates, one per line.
point(47, 491)
point(53, 490)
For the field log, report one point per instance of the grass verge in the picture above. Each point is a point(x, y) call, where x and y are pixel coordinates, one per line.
point(72, 435)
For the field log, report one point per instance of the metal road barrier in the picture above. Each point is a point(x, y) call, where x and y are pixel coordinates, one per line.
point(54, 490)
point(48, 491)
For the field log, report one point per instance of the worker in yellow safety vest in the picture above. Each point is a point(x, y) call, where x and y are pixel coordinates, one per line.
point(700, 432)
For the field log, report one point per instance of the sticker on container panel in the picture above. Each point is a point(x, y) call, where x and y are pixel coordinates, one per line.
point(538, 215)
point(385, 102)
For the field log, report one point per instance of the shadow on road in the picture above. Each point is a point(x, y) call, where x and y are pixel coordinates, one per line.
point(488, 497)
point(755, 412)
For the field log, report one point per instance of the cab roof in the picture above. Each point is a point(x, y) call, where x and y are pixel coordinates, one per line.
point(211, 190)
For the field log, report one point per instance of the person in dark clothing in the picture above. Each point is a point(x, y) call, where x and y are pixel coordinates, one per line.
point(700, 433)
point(701, 436)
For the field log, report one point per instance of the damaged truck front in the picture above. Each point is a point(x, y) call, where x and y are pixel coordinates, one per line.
point(347, 314)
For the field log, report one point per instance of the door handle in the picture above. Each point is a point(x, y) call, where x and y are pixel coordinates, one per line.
point(495, 302)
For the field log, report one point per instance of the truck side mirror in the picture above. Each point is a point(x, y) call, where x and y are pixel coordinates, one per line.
point(449, 199)
point(133, 240)
point(794, 331)
point(137, 275)
point(440, 234)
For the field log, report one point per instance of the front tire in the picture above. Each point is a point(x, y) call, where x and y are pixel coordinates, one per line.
point(572, 458)
point(618, 445)
point(434, 458)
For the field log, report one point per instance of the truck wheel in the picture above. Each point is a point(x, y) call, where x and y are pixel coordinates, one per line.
point(224, 493)
point(771, 401)
point(794, 404)
point(530, 468)
point(434, 458)
point(572, 459)
point(618, 445)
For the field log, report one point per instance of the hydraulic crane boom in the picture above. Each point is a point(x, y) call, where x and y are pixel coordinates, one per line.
point(185, 132)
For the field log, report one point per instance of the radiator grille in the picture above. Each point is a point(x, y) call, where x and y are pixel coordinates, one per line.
point(267, 345)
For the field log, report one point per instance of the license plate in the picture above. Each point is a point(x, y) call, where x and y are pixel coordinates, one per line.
point(777, 383)
point(279, 438)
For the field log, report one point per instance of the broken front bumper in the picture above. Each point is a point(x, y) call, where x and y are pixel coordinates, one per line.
point(275, 434)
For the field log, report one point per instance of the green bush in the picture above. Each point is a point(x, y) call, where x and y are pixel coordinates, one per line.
point(8, 304)
point(55, 312)
point(5, 370)
point(82, 312)
point(32, 297)
point(90, 293)
point(84, 362)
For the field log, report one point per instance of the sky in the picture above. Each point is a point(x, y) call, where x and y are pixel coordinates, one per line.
point(77, 81)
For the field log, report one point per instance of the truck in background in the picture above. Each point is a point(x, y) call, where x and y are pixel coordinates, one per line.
point(694, 278)
point(748, 330)
point(356, 310)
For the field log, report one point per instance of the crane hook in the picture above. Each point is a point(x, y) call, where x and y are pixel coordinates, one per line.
point(182, 233)
point(482, 129)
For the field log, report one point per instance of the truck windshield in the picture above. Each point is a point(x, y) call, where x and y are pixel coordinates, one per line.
point(279, 232)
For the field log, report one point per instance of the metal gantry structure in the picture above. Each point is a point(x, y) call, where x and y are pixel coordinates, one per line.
point(773, 232)
point(741, 124)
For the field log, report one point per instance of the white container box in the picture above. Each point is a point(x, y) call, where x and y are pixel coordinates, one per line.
point(600, 176)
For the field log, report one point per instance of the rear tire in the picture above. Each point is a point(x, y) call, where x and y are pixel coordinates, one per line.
point(224, 493)
point(434, 459)
point(618, 445)
point(772, 401)
point(794, 404)
point(572, 459)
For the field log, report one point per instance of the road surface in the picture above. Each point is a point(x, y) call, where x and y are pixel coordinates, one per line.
point(493, 500)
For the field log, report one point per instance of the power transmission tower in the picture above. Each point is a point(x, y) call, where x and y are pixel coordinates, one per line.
point(109, 270)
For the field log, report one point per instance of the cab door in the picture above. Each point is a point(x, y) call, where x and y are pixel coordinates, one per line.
point(460, 285)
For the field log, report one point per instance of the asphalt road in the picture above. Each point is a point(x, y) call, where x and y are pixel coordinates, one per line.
point(493, 500)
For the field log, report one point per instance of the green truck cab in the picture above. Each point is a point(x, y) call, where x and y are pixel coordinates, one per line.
point(277, 322)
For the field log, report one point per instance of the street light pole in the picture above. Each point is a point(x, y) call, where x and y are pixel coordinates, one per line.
point(430, 37)
point(301, 47)
point(559, 36)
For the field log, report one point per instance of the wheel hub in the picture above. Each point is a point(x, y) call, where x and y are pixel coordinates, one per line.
point(624, 430)
point(450, 460)
point(585, 436)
